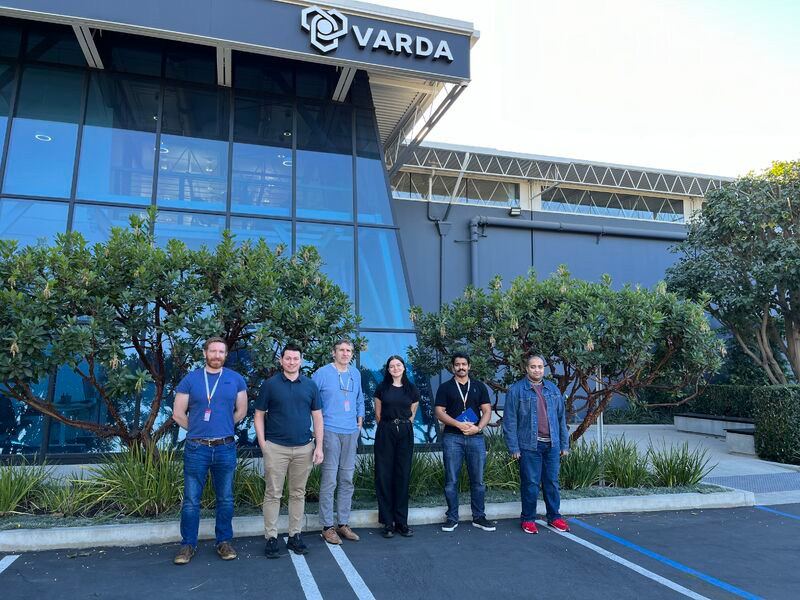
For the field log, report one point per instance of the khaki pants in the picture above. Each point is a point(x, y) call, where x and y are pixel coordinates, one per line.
point(278, 461)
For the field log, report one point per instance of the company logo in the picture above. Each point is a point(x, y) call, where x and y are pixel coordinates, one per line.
point(325, 27)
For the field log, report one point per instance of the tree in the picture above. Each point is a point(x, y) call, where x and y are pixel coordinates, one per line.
point(129, 318)
point(742, 257)
point(636, 337)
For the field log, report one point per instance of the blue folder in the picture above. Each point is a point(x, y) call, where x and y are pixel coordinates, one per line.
point(468, 416)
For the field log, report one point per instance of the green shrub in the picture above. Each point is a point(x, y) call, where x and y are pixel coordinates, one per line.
point(427, 475)
point(637, 414)
point(723, 400)
point(623, 466)
point(502, 471)
point(582, 467)
point(777, 417)
point(68, 497)
point(140, 481)
point(678, 466)
point(18, 485)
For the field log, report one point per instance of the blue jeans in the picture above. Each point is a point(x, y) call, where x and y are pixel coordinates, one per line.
point(456, 448)
point(198, 460)
point(536, 467)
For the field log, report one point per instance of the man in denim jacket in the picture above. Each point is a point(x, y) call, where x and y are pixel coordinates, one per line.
point(535, 429)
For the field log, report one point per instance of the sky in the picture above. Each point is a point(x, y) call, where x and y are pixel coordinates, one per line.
point(703, 86)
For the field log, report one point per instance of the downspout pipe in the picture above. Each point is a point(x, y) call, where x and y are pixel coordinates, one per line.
point(600, 230)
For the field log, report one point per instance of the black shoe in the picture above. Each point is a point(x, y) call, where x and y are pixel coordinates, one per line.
point(404, 530)
point(449, 525)
point(271, 551)
point(296, 544)
point(482, 523)
point(387, 532)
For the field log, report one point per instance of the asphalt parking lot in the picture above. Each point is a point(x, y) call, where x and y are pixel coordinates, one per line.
point(744, 553)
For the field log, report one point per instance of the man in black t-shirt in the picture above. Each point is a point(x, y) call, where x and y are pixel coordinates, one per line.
point(463, 407)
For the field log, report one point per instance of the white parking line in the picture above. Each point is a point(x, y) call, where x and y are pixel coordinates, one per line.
point(626, 563)
point(307, 581)
point(6, 561)
point(353, 578)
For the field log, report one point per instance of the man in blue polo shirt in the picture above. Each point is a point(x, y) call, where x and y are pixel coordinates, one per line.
point(339, 386)
point(216, 399)
point(285, 408)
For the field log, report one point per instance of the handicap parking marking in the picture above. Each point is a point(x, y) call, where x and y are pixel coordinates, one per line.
point(353, 578)
point(667, 561)
point(626, 563)
point(307, 581)
point(6, 561)
point(778, 512)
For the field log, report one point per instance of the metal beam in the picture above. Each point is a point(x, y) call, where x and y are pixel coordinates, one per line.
point(346, 75)
point(86, 41)
point(224, 66)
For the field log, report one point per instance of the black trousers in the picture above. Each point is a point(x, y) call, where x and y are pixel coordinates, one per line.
point(394, 445)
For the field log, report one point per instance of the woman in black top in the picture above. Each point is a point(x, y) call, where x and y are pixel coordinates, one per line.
point(396, 401)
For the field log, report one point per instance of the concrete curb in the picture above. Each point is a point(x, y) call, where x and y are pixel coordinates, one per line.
point(30, 540)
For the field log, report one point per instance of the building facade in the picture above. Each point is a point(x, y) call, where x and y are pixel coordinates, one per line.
point(285, 121)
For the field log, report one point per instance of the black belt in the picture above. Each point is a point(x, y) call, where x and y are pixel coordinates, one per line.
point(213, 442)
point(396, 421)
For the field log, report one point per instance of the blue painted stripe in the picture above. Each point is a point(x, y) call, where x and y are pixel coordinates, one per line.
point(779, 512)
point(668, 561)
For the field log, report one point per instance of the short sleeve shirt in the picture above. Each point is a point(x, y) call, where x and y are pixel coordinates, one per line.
point(288, 405)
point(396, 402)
point(448, 396)
point(222, 405)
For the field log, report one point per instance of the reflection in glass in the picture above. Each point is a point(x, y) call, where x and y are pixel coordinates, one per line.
point(380, 346)
point(373, 196)
point(192, 170)
point(324, 162)
point(20, 425)
point(44, 132)
point(335, 245)
point(193, 230)
point(95, 222)
point(382, 287)
point(32, 222)
point(273, 232)
point(6, 90)
point(49, 42)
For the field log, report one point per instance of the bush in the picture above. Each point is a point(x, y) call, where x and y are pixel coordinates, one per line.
point(623, 466)
point(724, 400)
point(678, 466)
point(68, 498)
point(18, 485)
point(637, 414)
point(777, 416)
point(582, 467)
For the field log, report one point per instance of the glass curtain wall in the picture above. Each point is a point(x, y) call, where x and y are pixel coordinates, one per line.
point(271, 158)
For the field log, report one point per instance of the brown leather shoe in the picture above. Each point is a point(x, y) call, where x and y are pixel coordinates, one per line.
point(347, 533)
point(184, 555)
point(226, 551)
point(330, 536)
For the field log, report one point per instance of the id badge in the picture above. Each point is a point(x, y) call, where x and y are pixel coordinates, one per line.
point(347, 406)
point(207, 415)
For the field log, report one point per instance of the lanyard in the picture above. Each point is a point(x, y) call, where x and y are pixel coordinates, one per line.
point(464, 396)
point(210, 394)
point(349, 386)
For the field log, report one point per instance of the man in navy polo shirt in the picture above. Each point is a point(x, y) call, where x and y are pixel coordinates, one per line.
point(216, 399)
point(286, 406)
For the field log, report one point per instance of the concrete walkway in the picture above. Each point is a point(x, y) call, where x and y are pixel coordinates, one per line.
point(772, 483)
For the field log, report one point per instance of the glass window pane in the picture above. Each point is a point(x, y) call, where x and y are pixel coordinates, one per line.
point(262, 167)
point(20, 425)
point(193, 230)
point(192, 170)
point(373, 196)
point(44, 132)
point(324, 162)
point(190, 62)
point(196, 112)
point(383, 294)
point(335, 245)
point(116, 161)
point(10, 37)
point(95, 222)
point(380, 346)
point(263, 73)
point(271, 231)
point(32, 222)
point(315, 81)
point(6, 90)
point(127, 53)
point(54, 43)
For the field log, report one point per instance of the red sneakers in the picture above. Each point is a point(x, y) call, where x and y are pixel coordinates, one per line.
point(559, 524)
point(529, 527)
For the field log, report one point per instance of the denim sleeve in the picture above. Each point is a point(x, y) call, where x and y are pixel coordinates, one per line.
point(510, 420)
point(562, 423)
